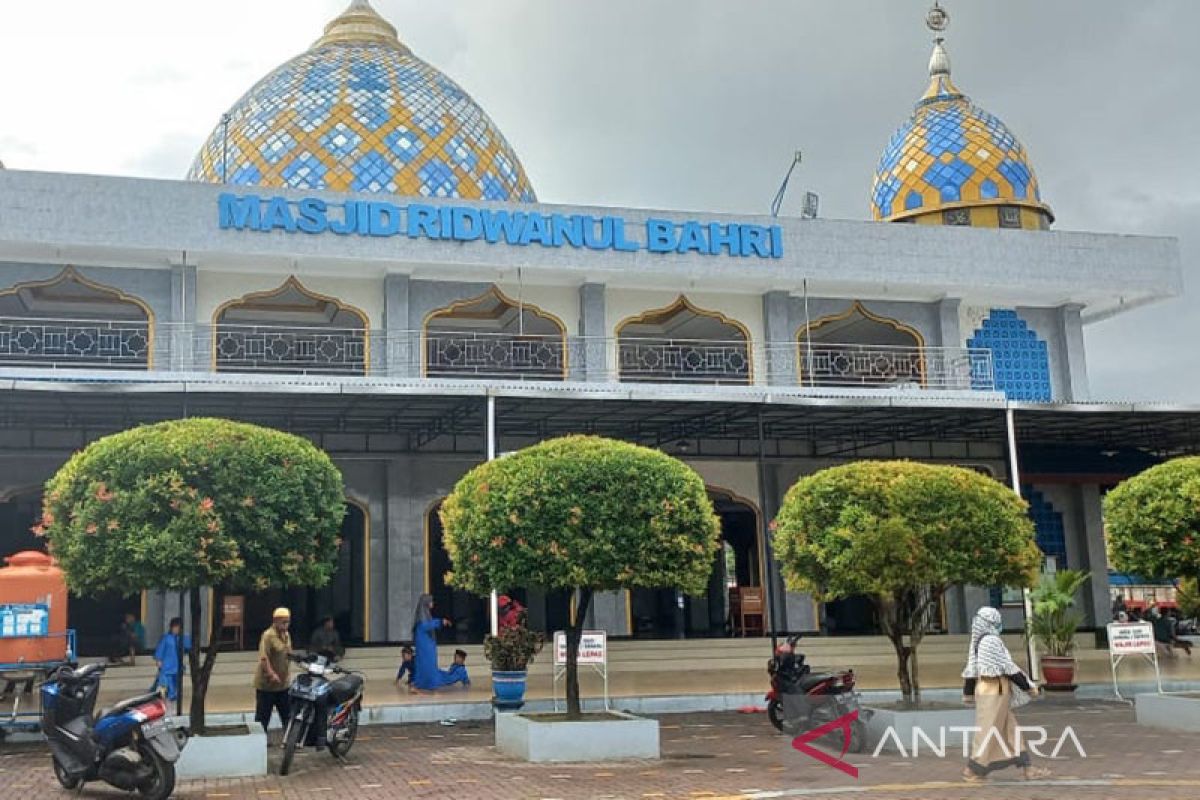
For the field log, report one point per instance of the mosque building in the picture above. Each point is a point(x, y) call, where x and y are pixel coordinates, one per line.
point(358, 255)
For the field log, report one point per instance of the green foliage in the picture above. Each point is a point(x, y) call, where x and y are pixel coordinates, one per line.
point(513, 647)
point(581, 512)
point(1054, 619)
point(1152, 521)
point(882, 527)
point(1187, 595)
point(196, 502)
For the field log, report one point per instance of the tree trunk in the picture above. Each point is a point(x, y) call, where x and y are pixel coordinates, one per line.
point(574, 633)
point(202, 672)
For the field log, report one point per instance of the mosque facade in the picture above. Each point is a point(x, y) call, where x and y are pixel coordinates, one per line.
point(358, 255)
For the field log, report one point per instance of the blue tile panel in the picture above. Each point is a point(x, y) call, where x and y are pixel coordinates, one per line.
point(363, 117)
point(950, 151)
point(1020, 360)
point(1051, 534)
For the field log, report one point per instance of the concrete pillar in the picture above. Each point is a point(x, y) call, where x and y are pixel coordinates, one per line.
point(949, 330)
point(590, 354)
point(782, 605)
point(399, 354)
point(180, 346)
point(778, 351)
point(1098, 606)
point(1072, 366)
point(608, 613)
point(405, 554)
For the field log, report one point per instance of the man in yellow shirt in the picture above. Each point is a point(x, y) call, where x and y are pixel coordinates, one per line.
point(271, 673)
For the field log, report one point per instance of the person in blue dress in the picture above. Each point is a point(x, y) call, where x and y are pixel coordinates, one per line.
point(427, 676)
point(166, 657)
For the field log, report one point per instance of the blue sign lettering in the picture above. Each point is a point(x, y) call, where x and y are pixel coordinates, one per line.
point(461, 223)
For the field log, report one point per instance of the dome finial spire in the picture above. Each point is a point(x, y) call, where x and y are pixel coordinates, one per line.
point(940, 85)
point(360, 23)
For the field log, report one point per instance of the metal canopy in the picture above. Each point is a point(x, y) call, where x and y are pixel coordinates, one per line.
point(450, 418)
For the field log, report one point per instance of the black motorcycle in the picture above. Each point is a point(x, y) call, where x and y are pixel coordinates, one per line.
point(131, 745)
point(800, 699)
point(322, 704)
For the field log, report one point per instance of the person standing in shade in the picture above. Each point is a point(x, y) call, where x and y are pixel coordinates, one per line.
point(325, 640)
point(271, 672)
point(166, 658)
point(426, 675)
point(990, 676)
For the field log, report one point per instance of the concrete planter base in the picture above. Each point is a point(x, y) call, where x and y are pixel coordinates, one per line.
point(904, 722)
point(237, 754)
point(598, 737)
point(1177, 712)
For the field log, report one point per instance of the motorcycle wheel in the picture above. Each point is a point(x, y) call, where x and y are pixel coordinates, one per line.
point(64, 778)
point(775, 714)
point(162, 784)
point(342, 746)
point(297, 727)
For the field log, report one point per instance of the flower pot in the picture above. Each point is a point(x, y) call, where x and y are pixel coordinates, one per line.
point(508, 689)
point(1058, 672)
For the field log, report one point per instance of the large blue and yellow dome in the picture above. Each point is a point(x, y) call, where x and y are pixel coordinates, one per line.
point(359, 112)
point(952, 163)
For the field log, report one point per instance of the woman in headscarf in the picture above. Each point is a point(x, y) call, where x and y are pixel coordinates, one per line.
point(427, 676)
point(990, 676)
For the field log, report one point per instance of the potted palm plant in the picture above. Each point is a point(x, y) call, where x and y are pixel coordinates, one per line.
point(510, 652)
point(1053, 626)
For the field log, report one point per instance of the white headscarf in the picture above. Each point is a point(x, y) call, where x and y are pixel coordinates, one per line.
point(988, 657)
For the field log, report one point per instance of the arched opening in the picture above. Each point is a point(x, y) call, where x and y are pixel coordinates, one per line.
point(858, 348)
point(493, 336)
point(70, 321)
point(96, 619)
point(344, 598)
point(290, 330)
point(547, 611)
point(682, 343)
point(657, 613)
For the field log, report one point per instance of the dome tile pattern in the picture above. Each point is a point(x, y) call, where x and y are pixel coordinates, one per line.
point(361, 113)
point(950, 153)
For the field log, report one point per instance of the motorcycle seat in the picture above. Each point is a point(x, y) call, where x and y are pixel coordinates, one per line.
point(345, 687)
point(813, 678)
point(127, 704)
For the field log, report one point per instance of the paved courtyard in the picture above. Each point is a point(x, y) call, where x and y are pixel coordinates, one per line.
point(704, 756)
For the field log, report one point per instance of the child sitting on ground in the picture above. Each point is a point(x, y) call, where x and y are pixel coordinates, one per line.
point(407, 666)
point(457, 671)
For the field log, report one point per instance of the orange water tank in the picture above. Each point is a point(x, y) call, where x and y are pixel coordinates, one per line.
point(32, 581)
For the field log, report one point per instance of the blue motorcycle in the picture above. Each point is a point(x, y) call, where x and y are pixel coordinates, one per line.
point(131, 746)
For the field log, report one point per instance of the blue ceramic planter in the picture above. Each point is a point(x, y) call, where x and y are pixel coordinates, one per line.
point(508, 689)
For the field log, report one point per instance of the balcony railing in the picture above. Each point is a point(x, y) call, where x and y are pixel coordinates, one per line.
point(278, 349)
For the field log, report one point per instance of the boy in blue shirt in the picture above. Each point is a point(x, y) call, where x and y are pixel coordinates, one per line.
point(166, 658)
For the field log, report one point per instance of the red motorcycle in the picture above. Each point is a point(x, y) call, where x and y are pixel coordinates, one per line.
point(800, 699)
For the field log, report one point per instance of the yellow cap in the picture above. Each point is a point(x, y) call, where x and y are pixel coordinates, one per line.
point(281, 612)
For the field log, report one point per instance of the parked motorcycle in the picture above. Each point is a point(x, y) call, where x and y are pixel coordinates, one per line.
point(318, 696)
point(131, 746)
point(800, 699)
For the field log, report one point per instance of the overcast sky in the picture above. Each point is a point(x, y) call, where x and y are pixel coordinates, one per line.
point(687, 104)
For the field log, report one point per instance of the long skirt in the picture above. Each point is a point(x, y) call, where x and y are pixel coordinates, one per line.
point(996, 744)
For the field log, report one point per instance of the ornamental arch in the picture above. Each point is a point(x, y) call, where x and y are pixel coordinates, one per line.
point(71, 321)
point(290, 329)
point(860, 348)
point(493, 336)
point(683, 343)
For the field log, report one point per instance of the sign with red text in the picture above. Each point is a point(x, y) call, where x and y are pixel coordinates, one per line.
point(1125, 638)
point(593, 647)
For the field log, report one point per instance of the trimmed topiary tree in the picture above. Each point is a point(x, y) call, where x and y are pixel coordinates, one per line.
point(584, 514)
point(195, 503)
point(1153, 521)
point(902, 533)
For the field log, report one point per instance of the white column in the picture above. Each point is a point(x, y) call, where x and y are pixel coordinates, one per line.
point(491, 456)
point(1015, 473)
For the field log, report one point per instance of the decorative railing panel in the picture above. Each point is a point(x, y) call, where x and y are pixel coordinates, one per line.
point(112, 344)
point(498, 356)
point(884, 366)
point(274, 348)
point(683, 361)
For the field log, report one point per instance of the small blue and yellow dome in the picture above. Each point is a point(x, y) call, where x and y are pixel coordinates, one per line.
point(952, 163)
point(359, 112)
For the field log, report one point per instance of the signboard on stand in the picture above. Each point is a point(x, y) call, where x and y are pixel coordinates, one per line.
point(22, 620)
point(592, 652)
point(1132, 639)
